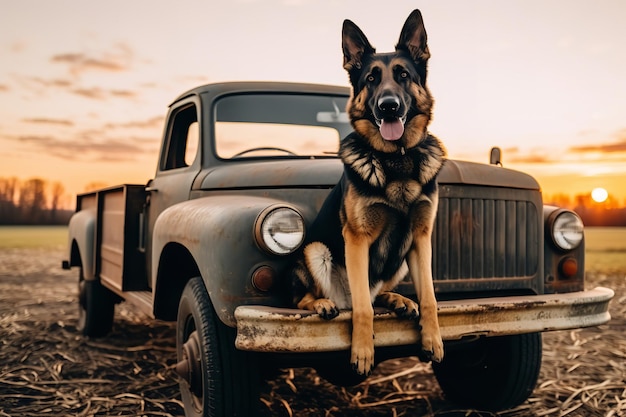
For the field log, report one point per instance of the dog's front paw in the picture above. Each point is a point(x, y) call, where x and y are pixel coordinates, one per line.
point(403, 307)
point(432, 344)
point(363, 358)
point(406, 309)
point(325, 308)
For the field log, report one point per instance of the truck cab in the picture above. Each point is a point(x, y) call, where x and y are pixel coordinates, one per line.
point(243, 170)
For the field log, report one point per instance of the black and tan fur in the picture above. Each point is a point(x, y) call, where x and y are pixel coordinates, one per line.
point(376, 225)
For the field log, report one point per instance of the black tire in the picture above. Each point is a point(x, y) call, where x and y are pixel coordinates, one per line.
point(225, 381)
point(96, 308)
point(494, 374)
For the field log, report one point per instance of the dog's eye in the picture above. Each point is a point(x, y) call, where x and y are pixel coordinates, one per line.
point(404, 74)
point(370, 78)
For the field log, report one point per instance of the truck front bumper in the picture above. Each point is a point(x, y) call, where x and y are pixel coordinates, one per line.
point(269, 329)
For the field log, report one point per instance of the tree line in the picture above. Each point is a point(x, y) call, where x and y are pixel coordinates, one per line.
point(33, 201)
point(608, 213)
point(37, 201)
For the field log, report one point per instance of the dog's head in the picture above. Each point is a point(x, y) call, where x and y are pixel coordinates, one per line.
point(390, 104)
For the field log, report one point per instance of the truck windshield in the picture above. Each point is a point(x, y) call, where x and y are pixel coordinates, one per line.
point(285, 125)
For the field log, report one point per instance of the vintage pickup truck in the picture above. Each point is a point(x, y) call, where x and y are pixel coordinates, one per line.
point(242, 172)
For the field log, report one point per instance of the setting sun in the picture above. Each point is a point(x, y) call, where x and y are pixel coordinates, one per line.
point(599, 195)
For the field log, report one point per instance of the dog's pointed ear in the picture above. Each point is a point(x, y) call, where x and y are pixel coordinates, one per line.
point(355, 45)
point(413, 37)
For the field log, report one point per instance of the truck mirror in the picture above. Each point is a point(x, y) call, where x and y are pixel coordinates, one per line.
point(496, 156)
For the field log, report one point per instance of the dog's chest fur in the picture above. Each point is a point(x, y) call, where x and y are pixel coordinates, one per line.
point(399, 178)
point(401, 190)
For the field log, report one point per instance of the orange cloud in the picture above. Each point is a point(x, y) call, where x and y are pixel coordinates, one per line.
point(94, 93)
point(603, 148)
point(97, 93)
point(151, 123)
point(39, 86)
point(531, 159)
point(111, 142)
point(117, 60)
point(41, 82)
point(85, 147)
point(58, 122)
point(80, 62)
point(122, 93)
point(612, 147)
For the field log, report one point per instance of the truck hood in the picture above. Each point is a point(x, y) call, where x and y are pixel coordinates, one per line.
point(326, 173)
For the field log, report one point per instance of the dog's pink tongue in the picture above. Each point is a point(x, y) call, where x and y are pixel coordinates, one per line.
point(391, 129)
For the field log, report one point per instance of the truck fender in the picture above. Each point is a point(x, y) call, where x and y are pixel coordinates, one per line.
point(218, 233)
point(81, 231)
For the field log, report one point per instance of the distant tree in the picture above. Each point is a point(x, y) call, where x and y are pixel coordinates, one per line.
point(57, 192)
point(32, 201)
point(559, 200)
point(8, 209)
point(8, 187)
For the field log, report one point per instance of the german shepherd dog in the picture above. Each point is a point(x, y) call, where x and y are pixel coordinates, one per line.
point(376, 224)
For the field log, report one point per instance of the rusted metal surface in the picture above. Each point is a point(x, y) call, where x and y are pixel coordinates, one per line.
point(266, 329)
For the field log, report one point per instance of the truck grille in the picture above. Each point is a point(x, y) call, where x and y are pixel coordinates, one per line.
point(481, 239)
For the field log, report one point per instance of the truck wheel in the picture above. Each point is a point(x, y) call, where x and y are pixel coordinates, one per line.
point(96, 307)
point(494, 373)
point(216, 379)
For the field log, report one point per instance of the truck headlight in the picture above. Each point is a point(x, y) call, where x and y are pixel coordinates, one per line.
point(279, 230)
point(567, 230)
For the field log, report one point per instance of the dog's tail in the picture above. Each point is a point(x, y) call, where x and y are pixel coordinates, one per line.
point(312, 273)
point(316, 273)
point(319, 262)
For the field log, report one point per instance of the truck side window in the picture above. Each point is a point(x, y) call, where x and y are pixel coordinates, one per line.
point(191, 148)
point(184, 137)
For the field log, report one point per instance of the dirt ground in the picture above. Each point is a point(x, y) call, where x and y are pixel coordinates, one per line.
point(48, 369)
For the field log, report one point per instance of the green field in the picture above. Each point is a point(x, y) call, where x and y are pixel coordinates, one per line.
point(605, 246)
point(33, 237)
point(605, 249)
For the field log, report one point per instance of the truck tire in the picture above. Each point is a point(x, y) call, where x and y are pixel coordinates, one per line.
point(96, 307)
point(216, 379)
point(491, 374)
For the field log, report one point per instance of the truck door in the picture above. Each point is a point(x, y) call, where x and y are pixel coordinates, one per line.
point(179, 164)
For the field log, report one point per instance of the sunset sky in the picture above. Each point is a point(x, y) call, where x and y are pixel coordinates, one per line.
point(84, 85)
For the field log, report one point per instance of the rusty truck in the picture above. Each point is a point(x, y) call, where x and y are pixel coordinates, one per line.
point(243, 169)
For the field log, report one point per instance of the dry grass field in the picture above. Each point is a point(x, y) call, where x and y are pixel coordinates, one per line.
point(48, 369)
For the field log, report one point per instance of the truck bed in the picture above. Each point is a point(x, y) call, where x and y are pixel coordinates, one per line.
point(120, 260)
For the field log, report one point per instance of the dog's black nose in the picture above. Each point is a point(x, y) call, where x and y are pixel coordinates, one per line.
point(388, 104)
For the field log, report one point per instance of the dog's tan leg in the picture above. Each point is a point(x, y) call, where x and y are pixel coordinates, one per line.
point(322, 306)
point(357, 261)
point(419, 260)
point(420, 267)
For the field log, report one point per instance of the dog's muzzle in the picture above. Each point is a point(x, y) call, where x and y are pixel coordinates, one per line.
point(390, 124)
